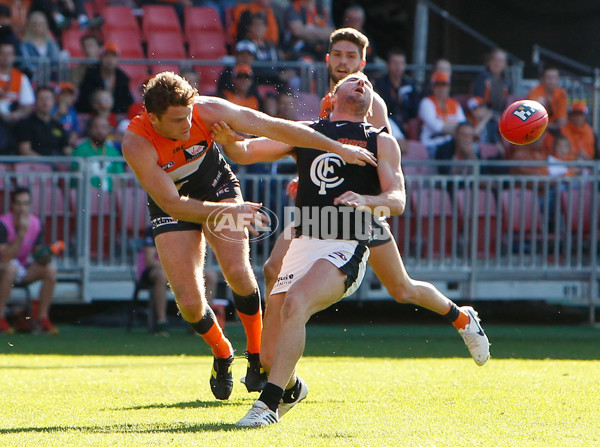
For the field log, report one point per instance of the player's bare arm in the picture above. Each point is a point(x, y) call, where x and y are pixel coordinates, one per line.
point(141, 157)
point(292, 133)
point(379, 116)
point(248, 151)
point(393, 193)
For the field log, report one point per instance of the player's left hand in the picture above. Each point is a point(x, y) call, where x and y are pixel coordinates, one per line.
point(351, 198)
point(357, 155)
point(223, 134)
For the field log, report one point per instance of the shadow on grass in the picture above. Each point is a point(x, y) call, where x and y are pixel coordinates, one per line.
point(368, 340)
point(126, 428)
point(191, 404)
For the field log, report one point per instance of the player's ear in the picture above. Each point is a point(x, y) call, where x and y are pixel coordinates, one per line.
point(153, 118)
point(362, 64)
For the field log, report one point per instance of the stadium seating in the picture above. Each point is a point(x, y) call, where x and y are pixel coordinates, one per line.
point(127, 40)
point(70, 41)
point(416, 151)
point(120, 18)
point(486, 220)
point(488, 150)
point(432, 212)
point(135, 211)
point(521, 218)
point(414, 129)
point(576, 207)
point(160, 19)
point(210, 46)
point(165, 45)
point(198, 20)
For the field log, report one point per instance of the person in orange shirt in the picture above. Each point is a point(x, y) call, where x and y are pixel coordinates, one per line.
point(241, 20)
point(552, 97)
point(195, 198)
point(242, 79)
point(579, 132)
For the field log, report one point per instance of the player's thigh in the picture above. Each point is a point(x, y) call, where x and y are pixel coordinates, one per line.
point(181, 255)
point(280, 248)
point(231, 248)
point(323, 285)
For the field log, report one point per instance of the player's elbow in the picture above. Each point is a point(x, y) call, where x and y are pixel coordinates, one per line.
point(398, 203)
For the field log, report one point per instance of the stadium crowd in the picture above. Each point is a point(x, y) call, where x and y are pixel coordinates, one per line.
point(86, 111)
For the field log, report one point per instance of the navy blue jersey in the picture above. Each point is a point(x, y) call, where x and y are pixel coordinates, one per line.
point(323, 176)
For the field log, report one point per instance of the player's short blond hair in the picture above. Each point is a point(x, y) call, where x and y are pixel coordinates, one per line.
point(350, 35)
point(358, 74)
point(167, 89)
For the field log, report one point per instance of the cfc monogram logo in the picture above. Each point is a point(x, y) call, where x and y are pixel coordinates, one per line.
point(524, 112)
point(322, 172)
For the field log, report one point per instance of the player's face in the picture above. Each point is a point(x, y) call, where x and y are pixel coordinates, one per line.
point(344, 58)
point(175, 123)
point(356, 90)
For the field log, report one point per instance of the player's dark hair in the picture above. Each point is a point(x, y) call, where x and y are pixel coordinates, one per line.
point(396, 52)
point(167, 89)
point(351, 35)
point(17, 192)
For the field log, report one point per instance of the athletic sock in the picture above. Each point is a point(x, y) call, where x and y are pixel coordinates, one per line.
point(290, 394)
point(212, 334)
point(271, 396)
point(249, 311)
point(458, 318)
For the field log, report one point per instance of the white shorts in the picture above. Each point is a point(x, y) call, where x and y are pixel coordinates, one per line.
point(21, 271)
point(349, 256)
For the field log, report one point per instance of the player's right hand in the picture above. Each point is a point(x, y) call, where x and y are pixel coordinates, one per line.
point(223, 134)
point(248, 215)
point(357, 155)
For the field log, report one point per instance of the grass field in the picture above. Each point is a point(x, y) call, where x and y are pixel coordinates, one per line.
point(369, 386)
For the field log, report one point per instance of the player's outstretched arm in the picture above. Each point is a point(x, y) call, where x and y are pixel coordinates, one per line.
point(143, 160)
point(290, 132)
point(248, 151)
point(392, 199)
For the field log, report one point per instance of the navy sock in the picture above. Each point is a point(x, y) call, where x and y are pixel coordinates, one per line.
point(452, 314)
point(290, 395)
point(271, 395)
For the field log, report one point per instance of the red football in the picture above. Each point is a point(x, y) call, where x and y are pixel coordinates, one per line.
point(523, 122)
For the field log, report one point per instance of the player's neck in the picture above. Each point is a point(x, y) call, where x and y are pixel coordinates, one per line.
point(345, 116)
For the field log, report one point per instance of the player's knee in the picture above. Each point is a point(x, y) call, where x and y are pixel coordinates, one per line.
point(403, 292)
point(239, 272)
point(294, 306)
point(8, 271)
point(192, 309)
point(271, 270)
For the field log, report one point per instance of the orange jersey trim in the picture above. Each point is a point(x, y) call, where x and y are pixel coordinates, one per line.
point(178, 158)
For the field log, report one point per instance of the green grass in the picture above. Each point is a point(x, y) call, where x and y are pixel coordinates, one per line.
point(369, 386)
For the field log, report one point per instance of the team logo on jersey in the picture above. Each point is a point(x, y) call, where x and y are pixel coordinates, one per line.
point(168, 166)
point(193, 152)
point(322, 172)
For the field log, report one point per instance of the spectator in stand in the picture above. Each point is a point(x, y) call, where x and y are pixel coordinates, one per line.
point(561, 152)
point(287, 106)
point(491, 85)
point(107, 76)
point(480, 115)
point(439, 114)
point(266, 52)
point(16, 94)
point(38, 46)
point(25, 259)
point(150, 272)
point(242, 18)
point(102, 105)
point(440, 65)
point(240, 94)
point(62, 14)
point(64, 111)
point(530, 152)
point(461, 147)
point(245, 53)
point(355, 17)
point(552, 97)
point(307, 30)
point(7, 33)
point(97, 145)
point(398, 91)
point(91, 47)
point(579, 132)
point(41, 134)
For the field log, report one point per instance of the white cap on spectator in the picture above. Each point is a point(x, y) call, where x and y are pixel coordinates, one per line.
point(246, 45)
